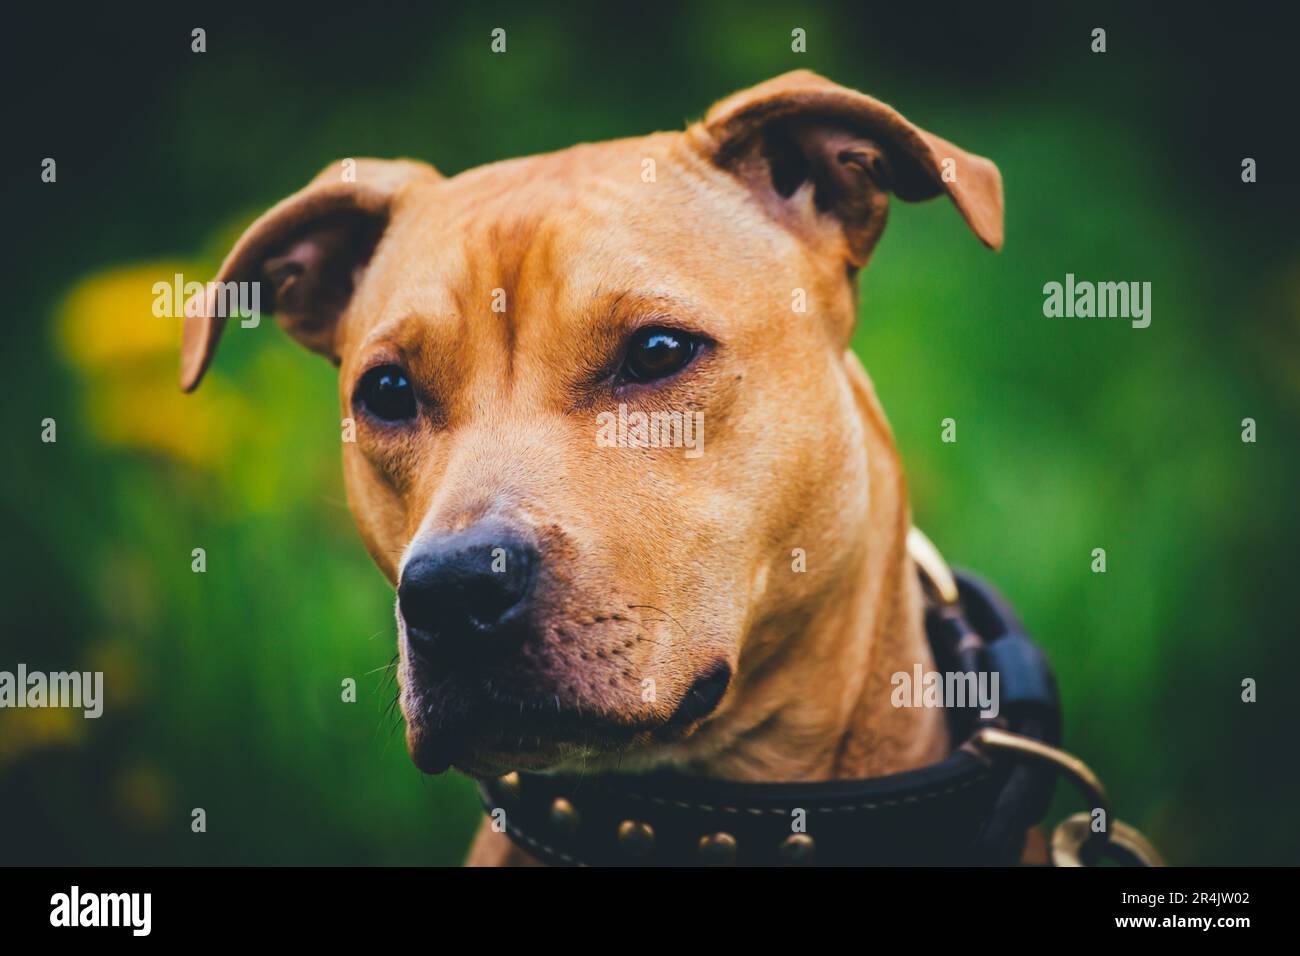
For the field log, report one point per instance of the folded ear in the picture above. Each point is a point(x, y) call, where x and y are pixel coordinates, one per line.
point(801, 128)
point(307, 252)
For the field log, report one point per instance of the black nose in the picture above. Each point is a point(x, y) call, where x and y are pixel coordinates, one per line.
point(461, 594)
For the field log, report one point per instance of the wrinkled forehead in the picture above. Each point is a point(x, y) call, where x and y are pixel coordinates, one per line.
point(566, 238)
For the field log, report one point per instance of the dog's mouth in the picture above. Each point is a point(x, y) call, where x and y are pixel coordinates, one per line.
point(485, 732)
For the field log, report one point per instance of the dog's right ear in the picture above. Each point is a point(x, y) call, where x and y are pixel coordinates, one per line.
point(307, 251)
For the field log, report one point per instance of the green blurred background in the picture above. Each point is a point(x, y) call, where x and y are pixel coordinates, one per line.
point(224, 687)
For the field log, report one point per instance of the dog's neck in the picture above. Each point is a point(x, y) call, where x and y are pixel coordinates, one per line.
point(818, 707)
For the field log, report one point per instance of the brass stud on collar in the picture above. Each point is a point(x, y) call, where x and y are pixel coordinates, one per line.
point(510, 784)
point(636, 838)
point(797, 850)
point(564, 817)
point(718, 849)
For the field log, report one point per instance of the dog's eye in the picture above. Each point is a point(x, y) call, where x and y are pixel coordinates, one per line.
point(385, 393)
point(657, 353)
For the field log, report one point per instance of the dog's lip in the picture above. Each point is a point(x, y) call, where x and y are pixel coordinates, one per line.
point(703, 696)
point(432, 753)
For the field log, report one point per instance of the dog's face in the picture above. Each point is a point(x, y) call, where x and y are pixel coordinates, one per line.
point(614, 610)
point(598, 400)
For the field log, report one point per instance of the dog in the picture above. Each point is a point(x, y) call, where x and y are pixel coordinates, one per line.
point(565, 604)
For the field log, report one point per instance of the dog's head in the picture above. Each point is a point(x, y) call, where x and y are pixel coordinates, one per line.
point(599, 398)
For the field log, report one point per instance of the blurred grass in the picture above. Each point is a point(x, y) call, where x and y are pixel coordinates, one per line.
point(1071, 434)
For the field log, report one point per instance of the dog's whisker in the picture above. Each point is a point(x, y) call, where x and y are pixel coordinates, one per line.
point(651, 607)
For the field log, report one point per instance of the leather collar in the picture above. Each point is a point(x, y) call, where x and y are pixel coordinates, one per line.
point(971, 808)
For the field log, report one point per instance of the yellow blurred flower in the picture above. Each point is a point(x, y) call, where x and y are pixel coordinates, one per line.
point(117, 660)
point(108, 319)
point(129, 357)
point(36, 728)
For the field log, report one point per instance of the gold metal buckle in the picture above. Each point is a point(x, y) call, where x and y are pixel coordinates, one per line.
point(932, 565)
point(1074, 841)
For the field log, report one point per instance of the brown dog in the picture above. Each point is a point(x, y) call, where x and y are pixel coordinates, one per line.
point(736, 612)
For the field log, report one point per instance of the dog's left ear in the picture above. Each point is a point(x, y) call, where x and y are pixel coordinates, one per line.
point(801, 128)
point(307, 252)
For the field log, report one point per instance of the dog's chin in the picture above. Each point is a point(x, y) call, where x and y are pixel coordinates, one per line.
point(486, 735)
point(486, 747)
point(489, 763)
